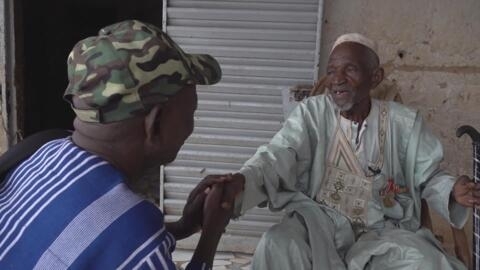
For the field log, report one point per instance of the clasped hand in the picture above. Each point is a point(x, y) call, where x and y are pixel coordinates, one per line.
point(210, 204)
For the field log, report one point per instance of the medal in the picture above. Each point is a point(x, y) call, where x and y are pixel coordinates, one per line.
point(389, 191)
point(389, 201)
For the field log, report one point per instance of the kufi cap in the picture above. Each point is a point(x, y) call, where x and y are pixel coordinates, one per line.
point(357, 38)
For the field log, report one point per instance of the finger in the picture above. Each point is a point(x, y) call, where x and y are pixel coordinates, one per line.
point(464, 178)
point(465, 202)
point(228, 177)
point(226, 205)
point(231, 191)
point(463, 181)
point(471, 185)
point(214, 196)
point(462, 190)
point(198, 201)
point(213, 179)
point(200, 198)
point(473, 200)
point(209, 182)
point(206, 182)
point(465, 187)
point(193, 217)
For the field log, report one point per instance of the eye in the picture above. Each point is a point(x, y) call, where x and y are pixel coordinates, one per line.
point(330, 71)
point(351, 68)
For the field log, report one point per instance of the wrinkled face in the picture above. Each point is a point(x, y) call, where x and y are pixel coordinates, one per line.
point(349, 75)
point(178, 121)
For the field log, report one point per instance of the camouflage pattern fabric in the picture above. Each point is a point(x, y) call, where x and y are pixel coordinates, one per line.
point(130, 67)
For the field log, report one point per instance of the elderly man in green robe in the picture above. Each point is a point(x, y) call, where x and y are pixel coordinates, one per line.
point(350, 172)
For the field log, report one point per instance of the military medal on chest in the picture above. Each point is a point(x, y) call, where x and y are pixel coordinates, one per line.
point(387, 194)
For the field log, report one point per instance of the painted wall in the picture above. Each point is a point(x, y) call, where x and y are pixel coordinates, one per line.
point(431, 53)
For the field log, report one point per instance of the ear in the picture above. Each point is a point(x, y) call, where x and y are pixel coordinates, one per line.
point(152, 123)
point(377, 76)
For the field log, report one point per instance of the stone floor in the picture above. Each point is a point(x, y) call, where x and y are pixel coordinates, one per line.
point(223, 260)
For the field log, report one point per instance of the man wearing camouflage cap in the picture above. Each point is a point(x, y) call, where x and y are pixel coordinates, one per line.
point(68, 206)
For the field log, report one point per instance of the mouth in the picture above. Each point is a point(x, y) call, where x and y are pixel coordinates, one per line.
point(341, 92)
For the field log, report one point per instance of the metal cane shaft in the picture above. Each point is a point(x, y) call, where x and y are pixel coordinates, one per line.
point(476, 212)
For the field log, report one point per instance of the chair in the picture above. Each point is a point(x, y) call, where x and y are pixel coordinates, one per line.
point(27, 147)
point(384, 92)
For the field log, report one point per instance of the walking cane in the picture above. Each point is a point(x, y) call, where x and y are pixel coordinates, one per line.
point(476, 177)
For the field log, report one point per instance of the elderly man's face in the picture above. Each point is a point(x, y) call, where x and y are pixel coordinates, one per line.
point(349, 75)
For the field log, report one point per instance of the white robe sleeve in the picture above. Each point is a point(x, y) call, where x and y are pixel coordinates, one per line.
point(271, 174)
point(434, 183)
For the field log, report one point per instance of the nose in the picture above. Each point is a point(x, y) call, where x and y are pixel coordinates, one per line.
point(339, 77)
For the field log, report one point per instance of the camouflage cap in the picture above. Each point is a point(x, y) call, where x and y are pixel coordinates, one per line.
point(130, 67)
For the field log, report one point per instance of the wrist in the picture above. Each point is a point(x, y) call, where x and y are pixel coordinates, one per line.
point(213, 231)
point(239, 177)
point(239, 181)
point(178, 229)
point(206, 248)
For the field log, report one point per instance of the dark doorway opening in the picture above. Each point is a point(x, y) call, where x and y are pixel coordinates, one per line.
point(47, 30)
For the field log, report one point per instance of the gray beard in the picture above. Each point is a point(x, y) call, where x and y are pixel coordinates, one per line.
point(344, 107)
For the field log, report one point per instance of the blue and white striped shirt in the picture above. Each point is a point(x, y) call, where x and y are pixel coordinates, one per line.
point(66, 208)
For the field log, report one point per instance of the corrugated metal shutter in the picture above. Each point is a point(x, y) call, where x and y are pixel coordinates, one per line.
point(264, 47)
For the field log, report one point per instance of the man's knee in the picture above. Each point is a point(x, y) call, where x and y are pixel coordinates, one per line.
point(276, 236)
point(286, 233)
point(282, 247)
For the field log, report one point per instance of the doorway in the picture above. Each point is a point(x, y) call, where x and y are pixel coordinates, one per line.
point(46, 31)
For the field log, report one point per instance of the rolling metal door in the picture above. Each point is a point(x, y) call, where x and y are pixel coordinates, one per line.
point(263, 47)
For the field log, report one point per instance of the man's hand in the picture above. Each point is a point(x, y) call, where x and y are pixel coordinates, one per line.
point(215, 217)
point(191, 220)
point(466, 193)
point(193, 213)
point(232, 188)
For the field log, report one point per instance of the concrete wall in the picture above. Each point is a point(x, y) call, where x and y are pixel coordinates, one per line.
point(431, 53)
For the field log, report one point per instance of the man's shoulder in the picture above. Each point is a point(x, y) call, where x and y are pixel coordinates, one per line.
point(318, 102)
point(133, 208)
point(317, 99)
point(318, 109)
point(401, 113)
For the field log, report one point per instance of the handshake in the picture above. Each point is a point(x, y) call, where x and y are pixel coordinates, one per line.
point(209, 208)
point(210, 205)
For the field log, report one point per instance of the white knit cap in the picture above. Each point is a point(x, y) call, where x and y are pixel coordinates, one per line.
point(357, 38)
